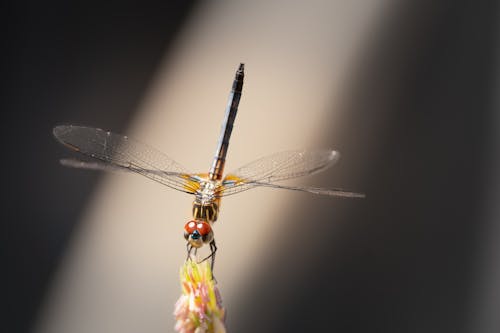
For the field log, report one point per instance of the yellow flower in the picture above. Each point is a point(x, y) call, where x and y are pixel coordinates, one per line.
point(199, 309)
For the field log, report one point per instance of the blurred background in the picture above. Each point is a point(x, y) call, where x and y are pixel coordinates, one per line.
point(406, 90)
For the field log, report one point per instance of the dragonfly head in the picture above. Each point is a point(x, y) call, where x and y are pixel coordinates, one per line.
point(198, 232)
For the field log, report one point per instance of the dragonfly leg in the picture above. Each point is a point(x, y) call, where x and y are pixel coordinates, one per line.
point(213, 249)
point(189, 249)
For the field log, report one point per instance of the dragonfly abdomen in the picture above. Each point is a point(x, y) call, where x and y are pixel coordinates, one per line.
point(217, 168)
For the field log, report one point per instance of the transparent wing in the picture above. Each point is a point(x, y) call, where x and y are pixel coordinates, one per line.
point(287, 164)
point(334, 192)
point(100, 166)
point(282, 166)
point(118, 152)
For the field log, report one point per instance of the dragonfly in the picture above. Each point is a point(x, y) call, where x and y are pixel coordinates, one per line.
point(114, 152)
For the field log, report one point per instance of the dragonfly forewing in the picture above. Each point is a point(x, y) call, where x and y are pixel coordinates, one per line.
point(117, 152)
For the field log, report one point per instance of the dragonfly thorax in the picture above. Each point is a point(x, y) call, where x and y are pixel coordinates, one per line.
point(206, 203)
point(206, 193)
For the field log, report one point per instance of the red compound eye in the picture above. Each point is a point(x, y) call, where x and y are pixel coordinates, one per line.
point(190, 227)
point(203, 228)
point(198, 232)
